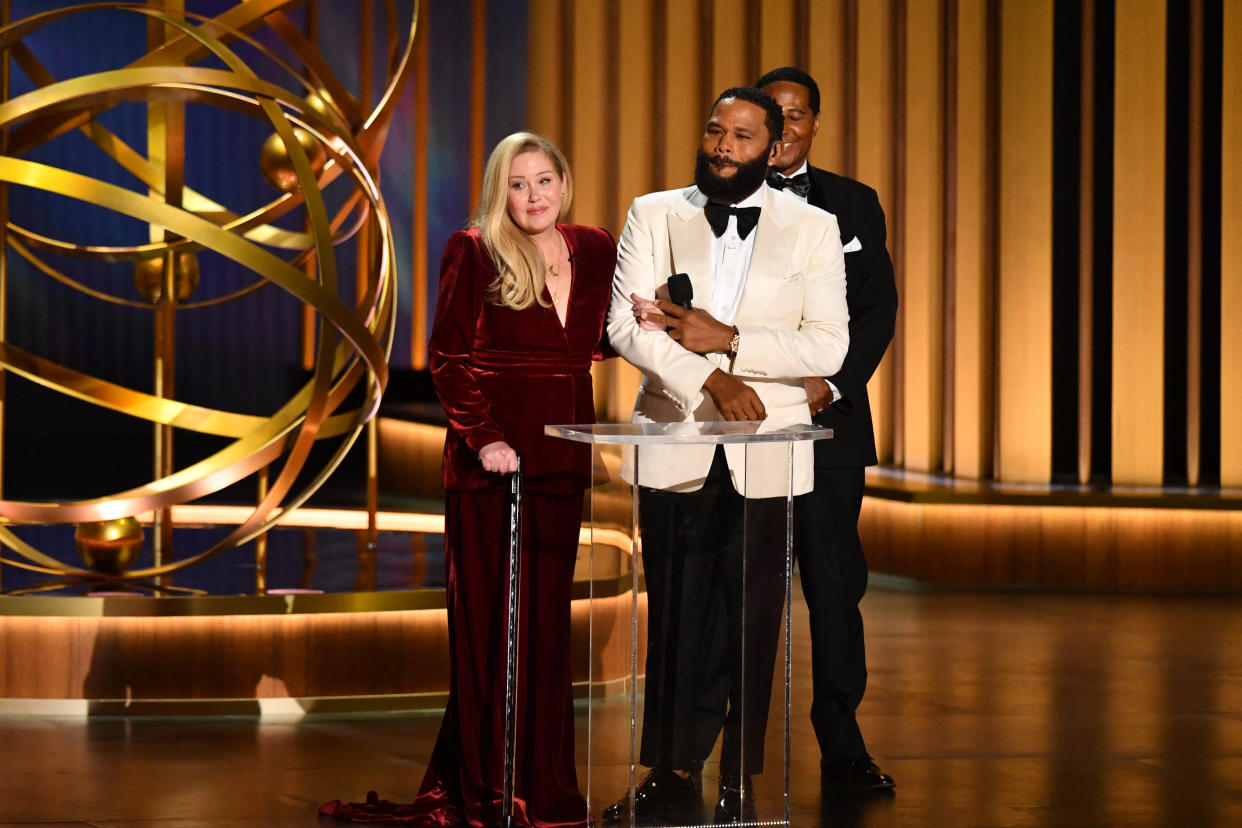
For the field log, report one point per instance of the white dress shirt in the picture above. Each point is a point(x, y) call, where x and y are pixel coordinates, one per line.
point(731, 259)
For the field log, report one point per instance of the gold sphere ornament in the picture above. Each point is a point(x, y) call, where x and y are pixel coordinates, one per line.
point(109, 546)
point(149, 277)
point(278, 168)
point(321, 102)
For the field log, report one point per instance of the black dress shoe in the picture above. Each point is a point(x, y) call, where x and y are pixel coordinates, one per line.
point(733, 804)
point(857, 772)
point(661, 797)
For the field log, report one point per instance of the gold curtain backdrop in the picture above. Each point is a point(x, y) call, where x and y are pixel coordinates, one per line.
point(946, 108)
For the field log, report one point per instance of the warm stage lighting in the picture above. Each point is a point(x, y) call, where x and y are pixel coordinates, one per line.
point(200, 515)
point(1105, 547)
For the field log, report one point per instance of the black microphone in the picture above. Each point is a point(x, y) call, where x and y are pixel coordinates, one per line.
point(680, 291)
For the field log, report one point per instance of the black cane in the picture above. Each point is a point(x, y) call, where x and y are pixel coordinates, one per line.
point(511, 645)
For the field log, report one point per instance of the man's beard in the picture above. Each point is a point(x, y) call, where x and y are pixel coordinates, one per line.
point(743, 182)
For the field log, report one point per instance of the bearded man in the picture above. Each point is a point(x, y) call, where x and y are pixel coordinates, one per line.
point(768, 279)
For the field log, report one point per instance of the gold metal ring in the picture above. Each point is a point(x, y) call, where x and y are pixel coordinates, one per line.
point(353, 349)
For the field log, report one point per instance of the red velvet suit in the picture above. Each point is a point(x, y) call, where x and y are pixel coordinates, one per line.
point(503, 374)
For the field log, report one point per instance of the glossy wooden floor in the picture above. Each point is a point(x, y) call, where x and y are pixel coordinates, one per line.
point(989, 709)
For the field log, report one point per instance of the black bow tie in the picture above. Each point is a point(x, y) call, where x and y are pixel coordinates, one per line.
point(800, 183)
point(718, 218)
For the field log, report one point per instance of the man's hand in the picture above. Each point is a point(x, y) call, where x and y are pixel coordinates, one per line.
point(818, 394)
point(696, 330)
point(735, 400)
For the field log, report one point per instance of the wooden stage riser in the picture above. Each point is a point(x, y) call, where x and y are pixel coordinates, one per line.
point(265, 657)
point(1125, 549)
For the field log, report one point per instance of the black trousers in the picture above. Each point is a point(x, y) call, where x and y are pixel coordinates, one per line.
point(702, 614)
point(834, 577)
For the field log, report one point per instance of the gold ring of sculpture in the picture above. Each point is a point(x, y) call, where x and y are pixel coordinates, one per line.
point(364, 333)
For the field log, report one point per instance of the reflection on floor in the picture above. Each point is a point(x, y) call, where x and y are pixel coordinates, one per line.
point(989, 709)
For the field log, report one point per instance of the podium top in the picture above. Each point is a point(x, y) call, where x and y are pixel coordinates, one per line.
point(738, 431)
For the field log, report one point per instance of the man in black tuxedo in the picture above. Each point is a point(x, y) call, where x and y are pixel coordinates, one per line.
point(830, 555)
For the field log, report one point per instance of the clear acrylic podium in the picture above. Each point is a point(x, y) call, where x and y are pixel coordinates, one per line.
point(609, 749)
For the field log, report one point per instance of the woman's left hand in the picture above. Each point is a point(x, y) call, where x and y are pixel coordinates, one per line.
point(641, 308)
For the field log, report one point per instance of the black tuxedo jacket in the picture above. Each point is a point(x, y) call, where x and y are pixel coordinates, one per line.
point(871, 293)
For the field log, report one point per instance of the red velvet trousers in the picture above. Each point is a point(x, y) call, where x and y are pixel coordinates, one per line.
point(464, 783)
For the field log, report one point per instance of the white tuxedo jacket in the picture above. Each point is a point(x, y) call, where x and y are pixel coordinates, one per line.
point(792, 318)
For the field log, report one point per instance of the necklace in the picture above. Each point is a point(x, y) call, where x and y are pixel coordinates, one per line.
point(556, 274)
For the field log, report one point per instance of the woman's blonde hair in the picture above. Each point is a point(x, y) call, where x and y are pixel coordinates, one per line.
point(518, 262)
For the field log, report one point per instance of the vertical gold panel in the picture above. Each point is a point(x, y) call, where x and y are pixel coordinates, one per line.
point(546, 83)
point(422, 109)
point(874, 153)
point(591, 96)
point(826, 52)
point(1138, 243)
point(874, 97)
point(921, 251)
point(948, 157)
point(685, 115)
point(729, 45)
point(478, 90)
point(1025, 243)
point(1194, 262)
point(776, 35)
point(972, 249)
point(634, 164)
point(635, 173)
point(1231, 249)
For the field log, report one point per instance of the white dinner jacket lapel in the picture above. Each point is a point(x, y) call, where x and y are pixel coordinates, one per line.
point(690, 245)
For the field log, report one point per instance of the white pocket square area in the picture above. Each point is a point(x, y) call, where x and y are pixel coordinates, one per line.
point(854, 246)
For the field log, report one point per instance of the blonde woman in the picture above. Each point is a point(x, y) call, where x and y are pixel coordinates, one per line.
point(519, 319)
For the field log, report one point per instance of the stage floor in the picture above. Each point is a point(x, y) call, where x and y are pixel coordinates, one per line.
point(989, 708)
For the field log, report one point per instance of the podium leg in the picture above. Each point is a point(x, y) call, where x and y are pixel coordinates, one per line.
point(789, 548)
point(635, 538)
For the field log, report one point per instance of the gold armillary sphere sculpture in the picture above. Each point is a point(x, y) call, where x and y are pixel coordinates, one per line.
point(322, 133)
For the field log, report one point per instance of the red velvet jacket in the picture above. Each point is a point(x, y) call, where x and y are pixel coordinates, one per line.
point(503, 374)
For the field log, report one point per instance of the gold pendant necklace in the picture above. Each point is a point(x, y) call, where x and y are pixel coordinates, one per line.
point(552, 269)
